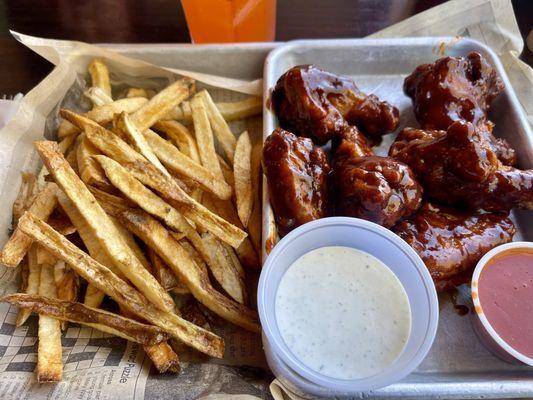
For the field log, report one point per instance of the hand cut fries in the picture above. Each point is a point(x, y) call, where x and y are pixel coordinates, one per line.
point(18, 244)
point(97, 96)
point(204, 136)
point(242, 170)
point(138, 166)
point(89, 170)
point(104, 114)
point(100, 76)
point(124, 294)
point(230, 111)
point(182, 138)
point(93, 317)
point(93, 297)
point(137, 92)
point(162, 103)
point(165, 276)
point(49, 361)
point(129, 132)
point(113, 177)
point(183, 165)
point(25, 196)
point(220, 127)
point(102, 227)
point(32, 282)
point(158, 238)
point(224, 270)
point(219, 262)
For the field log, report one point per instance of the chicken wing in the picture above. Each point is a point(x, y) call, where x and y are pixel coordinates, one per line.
point(458, 89)
point(458, 167)
point(378, 189)
point(296, 172)
point(451, 242)
point(315, 103)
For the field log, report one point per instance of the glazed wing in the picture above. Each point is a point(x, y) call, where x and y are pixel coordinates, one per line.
point(458, 89)
point(451, 242)
point(378, 189)
point(315, 103)
point(458, 167)
point(296, 172)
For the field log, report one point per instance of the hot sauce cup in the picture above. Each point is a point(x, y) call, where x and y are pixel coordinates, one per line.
point(502, 318)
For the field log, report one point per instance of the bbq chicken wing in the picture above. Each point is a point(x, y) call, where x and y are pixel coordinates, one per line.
point(458, 89)
point(315, 103)
point(378, 189)
point(297, 172)
point(451, 242)
point(458, 167)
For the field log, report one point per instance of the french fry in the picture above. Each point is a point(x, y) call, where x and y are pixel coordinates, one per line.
point(230, 111)
point(49, 361)
point(18, 244)
point(133, 189)
point(104, 321)
point(103, 114)
point(89, 170)
point(67, 284)
point(177, 162)
point(162, 103)
point(242, 171)
point(255, 224)
point(129, 132)
point(100, 76)
point(195, 278)
point(32, 282)
point(162, 355)
point(138, 166)
point(227, 172)
point(25, 196)
point(60, 222)
point(220, 127)
point(182, 138)
point(93, 297)
point(44, 257)
point(128, 297)
point(246, 252)
point(164, 358)
point(64, 145)
point(204, 136)
point(137, 92)
point(102, 227)
point(224, 270)
point(132, 244)
point(97, 96)
point(164, 274)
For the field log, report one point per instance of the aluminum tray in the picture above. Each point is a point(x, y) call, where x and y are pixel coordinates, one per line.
point(458, 366)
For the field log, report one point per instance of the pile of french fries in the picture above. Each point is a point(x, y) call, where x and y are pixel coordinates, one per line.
point(135, 201)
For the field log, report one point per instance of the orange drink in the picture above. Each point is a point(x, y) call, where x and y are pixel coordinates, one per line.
point(218, 21)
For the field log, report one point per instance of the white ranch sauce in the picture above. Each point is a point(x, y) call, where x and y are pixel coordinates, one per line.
point(343, 312)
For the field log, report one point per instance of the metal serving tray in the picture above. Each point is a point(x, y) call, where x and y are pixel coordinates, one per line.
point(458, 366)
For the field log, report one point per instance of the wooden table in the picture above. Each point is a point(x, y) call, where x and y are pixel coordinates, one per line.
point(158, 21)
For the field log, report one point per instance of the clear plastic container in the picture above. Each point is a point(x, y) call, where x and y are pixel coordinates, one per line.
point(393, 252)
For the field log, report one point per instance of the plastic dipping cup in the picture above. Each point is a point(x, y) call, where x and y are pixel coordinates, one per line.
point(486, 332)
point(382, 244)
point(223, 21)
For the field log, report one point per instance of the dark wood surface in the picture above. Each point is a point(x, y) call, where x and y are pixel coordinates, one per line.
point(163, 21)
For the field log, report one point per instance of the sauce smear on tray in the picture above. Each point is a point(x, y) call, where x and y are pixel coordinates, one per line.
point(343, 312)
point(506, 297)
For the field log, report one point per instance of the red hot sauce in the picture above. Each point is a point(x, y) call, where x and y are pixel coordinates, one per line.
point(506, 297)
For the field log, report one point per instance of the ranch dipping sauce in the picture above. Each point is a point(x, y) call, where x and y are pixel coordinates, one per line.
point(343, 313)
